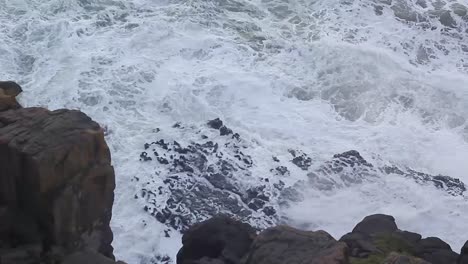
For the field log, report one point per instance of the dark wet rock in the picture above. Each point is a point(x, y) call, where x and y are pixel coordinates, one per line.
point(283, 244)
point(378, 10)
point(421, 3)
point(463, 259)
point(217, 240)
point(282, 170)
point(224, 131)
point(215, 123)
point(350, 168)
point(447, 20)
point(203, 179)
point(301, 160)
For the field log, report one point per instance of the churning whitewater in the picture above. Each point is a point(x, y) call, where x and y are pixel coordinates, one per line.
point(302, 88)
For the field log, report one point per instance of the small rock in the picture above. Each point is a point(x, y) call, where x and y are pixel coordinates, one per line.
point(224, 131)
point(215, 123)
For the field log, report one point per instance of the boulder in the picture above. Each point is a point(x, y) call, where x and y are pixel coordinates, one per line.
point(217, 240)
point(283, 244)
point(56, 181)
point(8, 92)
point(436, 251)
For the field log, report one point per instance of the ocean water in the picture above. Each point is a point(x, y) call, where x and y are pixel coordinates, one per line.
point(388, 78)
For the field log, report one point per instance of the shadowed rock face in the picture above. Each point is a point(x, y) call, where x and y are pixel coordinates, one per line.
point(56, 185)
point(218, 239)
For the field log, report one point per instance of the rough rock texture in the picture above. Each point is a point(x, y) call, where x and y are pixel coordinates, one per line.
point(375, 240)
point(218, 240)
point(463, 254)
point(375, 237)
point(283, 244)
point(8, 93)
point(56, 184)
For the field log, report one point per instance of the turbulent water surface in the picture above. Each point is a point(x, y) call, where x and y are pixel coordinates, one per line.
point(388, 78)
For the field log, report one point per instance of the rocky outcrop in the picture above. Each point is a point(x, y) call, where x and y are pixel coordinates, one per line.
point(375, 240)
point(56, 184)
point(283, 244)
point(377, 236)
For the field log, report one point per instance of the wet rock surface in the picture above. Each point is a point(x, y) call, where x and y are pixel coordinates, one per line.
point(56, 185)
point(213, 173)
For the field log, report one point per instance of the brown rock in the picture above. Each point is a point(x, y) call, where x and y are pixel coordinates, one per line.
point(8, 92)
point(55, 168)
point(283, 244)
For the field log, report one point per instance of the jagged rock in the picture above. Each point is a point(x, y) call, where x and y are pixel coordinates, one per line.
point(283, 244)
point(56, 182)
point(8, 92)
point(215, 123)
point(350, 168)
point(217, 240)
point(201, 179)
point(463, 259)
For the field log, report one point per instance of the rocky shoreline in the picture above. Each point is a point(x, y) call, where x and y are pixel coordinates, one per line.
point(375, 240)
point(57, 191)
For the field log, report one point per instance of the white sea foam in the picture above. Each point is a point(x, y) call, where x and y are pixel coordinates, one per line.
point(322, 76)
